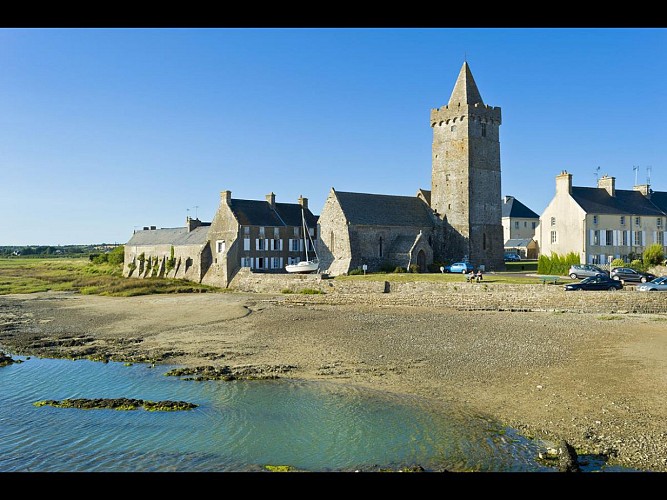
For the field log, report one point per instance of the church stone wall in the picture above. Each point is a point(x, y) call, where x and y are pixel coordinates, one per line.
point(333, 245)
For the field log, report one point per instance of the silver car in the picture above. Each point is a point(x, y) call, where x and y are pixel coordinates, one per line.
point(658, 284)
point(578, 271)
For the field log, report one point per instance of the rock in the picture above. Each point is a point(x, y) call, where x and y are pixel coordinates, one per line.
point(568, 461)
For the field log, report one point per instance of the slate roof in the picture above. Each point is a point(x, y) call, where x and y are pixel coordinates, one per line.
point(629, 202)
point(659, 199)
point(384, 210)
point(517, 243)
point(260, 213)
point(177, 236)
point(514, 208)
point(426, 193)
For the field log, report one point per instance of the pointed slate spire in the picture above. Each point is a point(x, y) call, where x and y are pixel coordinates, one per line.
point(465, 90)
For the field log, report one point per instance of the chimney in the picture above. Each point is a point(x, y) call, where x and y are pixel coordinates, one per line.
point(643, 189)
point(303, 202)
point(271, 199)
point(607, 183)
point(192, 223)
point(564, 182)
point(226, 197)
point(508, 198)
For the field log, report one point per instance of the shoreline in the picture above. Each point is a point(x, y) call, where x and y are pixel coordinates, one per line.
point(595, 381)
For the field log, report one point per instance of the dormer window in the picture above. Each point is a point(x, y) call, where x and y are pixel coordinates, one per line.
point(553, 221)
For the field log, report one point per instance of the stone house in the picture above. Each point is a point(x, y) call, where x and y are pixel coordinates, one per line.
point(519, 223)
point(459, 218)
point(602, 223)
point(264, 236)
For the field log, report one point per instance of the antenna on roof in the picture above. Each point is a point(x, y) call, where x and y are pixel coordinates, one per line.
point(636, 169)
point(648, 175)
point(196, 207)
point(597, 173)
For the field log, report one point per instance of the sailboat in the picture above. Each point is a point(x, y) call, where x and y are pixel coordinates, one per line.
point(305, 266)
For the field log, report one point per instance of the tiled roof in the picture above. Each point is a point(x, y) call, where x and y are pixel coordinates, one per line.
point(384, 210)
point(514, 208)
point(628, 202)
point(177, 236)
point(260, 213)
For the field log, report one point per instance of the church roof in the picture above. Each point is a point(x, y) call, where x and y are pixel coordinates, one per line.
point(628, 202)
point(177, 236)
point(514, 208)
point(260, 213)
point(384, 210)
point(465, 90)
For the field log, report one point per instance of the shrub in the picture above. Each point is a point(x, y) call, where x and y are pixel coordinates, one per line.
point(355, 272)
point(310, 291)
point(617, 263)
point(399, 269)
point(557, 264)
point(414, 268)
point(637, 265)
point(116, 256)
point(654, 255)
point(99, 258)
point(286, 290)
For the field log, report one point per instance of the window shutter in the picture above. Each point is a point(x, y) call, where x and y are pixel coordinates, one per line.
point(615, 236)
point(592, 237)
point(281, 248)
point(643, 238)
point(257, 244)
point(603, 238)
point(655, 236)
point(281, 259)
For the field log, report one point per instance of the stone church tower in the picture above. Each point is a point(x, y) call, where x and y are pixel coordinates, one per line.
point(465, 183)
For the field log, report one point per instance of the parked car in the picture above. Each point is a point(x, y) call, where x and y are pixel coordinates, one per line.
point(658, 284)
point(512, 257)
point(629, 274)
point(600, 282)
point(578, 271)
point(459, 267)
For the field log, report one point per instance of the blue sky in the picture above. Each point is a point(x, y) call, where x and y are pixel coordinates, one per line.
point(106, 130)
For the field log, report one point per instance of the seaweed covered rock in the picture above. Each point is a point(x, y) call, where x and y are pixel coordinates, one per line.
point(118, 404)
point(226, 373)
point(7, 360)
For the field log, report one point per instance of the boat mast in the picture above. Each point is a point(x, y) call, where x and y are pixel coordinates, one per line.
point(305, 240)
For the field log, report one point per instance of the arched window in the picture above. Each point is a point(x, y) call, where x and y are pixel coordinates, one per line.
point(380, 246)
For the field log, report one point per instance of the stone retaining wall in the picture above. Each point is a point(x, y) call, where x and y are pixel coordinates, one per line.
point(461, 296)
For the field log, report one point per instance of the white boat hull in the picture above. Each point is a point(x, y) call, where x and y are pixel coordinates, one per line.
point(302, 267)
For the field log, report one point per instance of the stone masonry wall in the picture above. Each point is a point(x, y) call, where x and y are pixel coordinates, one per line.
point(461, 296)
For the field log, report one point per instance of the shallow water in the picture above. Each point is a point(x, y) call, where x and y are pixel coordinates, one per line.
point(238, 426)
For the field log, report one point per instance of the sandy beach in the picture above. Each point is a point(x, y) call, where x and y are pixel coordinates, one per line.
point(598, 382)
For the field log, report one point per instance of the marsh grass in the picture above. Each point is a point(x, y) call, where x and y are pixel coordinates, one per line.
point(81, 275)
